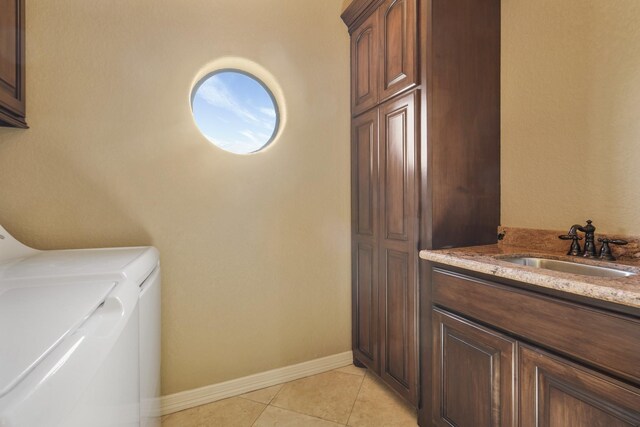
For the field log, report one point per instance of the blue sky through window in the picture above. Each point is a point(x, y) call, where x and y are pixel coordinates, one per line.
point(235, 112)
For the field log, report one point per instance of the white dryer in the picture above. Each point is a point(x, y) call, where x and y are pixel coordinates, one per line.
point(79, 336)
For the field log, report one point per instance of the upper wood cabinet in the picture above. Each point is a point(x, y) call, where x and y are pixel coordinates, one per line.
point(398, 22)
point(364, 65)
point(12, 73)
point(383, 54)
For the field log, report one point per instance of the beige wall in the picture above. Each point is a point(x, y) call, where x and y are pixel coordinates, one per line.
point(571, 113)
point(255, 249)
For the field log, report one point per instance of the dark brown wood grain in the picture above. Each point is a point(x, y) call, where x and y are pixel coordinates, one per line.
point(358, 11)
point(365, 174)
point(365, 304)
point(398, 246)
point(557, 393)
point(443, 190)
point(473, 374)
point(606, 341)
point(12, 64)
point(365, 65)
point(397, 31)
point(464, 122)
point(364, 211)
point(398, 145)
point(576, 365)
point(459, 153)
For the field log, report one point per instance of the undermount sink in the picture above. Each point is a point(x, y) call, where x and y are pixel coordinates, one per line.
point(568, 267)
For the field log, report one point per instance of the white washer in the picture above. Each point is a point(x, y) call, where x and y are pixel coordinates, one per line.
point(79, 336)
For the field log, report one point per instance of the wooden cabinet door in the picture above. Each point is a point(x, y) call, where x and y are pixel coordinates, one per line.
point(12, 105)
point(364, 202)
point(398, 63)
point(473, 376)
point(557, 393)
point(398, 246)
point(364, 65)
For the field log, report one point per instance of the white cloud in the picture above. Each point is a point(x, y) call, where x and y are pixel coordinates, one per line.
point(269, 112)
point(216, 93)
point(255, 137)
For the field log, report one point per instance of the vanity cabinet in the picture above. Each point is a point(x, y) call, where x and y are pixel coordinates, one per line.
point(12, 69)
point(556, 392)
point(511, 356)
point(474, 374)
point(425, 153)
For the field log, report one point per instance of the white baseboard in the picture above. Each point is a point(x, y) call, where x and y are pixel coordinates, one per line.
point(200, 396)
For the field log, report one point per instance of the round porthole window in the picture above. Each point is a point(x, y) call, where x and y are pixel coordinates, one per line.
point(235, 111)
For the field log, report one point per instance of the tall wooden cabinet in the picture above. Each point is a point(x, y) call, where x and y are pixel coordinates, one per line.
point(385, 194)
point(425, 147)
point(12, 75)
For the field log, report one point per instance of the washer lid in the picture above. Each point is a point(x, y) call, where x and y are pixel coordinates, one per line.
point(35, 317)
point(74, 263)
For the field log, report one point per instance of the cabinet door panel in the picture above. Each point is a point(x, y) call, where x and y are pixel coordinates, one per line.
point(365, 173)
point(397, 168)
point(557, 393)
point(473, 378)
point(397, 273)
point(12, 104)
point(398, 246)
point(364, 199)
point(364, 66)
point(398, 23)
point(365, 304)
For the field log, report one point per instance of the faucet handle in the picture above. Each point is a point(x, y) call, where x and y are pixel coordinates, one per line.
point(605, 250)
point(574, 250)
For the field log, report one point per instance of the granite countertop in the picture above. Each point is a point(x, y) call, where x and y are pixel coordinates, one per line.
point(487, 260)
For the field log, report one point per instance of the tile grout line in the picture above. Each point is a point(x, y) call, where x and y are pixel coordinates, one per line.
point(306, 415)
point(257, 401)
point(269, 403)
point(262, 412)
point(356, 399)
point(276, 395)
point(313, 416)
point(348, 373)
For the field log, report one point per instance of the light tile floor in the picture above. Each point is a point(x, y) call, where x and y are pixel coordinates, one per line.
point(346, 396)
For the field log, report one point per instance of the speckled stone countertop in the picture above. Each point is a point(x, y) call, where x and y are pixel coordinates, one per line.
point(487, 260)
